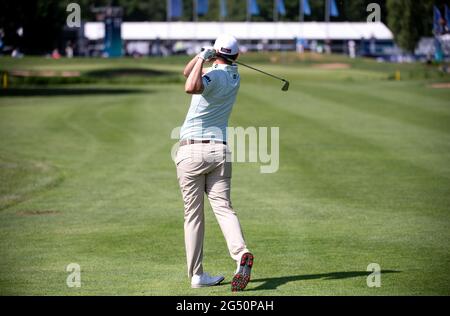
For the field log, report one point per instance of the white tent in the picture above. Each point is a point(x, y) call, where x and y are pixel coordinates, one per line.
point(244, 30)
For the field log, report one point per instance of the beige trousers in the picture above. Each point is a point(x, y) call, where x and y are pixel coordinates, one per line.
point(203, 168)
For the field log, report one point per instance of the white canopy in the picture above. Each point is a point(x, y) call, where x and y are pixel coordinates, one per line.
point(244, 30)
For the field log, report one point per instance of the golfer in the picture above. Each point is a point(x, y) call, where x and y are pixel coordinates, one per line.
point(203, 160)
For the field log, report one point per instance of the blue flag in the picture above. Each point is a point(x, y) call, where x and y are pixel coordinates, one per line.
point(438, 53)
point(280, 7)
point(437, 28)
point(202, 7)
point(175, 8)
point(447, 16)
point(254, 7)
point(223, 8)
point(334, 10)
point(306, 7)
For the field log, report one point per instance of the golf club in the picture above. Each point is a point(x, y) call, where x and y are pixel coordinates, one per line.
point(285, 85)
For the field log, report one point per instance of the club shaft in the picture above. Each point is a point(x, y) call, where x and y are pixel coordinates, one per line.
point(253, 68)
point(263, 72)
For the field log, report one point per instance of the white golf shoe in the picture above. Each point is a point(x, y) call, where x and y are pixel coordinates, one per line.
point(205, 280)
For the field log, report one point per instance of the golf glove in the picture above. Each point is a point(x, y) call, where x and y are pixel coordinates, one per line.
point(207, 53)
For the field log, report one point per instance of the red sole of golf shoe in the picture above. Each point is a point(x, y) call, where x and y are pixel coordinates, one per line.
point(242, 277)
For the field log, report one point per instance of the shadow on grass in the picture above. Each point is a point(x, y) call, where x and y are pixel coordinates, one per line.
point(49, 92)
point(274, 283)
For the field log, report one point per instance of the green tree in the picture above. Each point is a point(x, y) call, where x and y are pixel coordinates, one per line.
point(41, 21)
point(410, 20)
point(44, 20)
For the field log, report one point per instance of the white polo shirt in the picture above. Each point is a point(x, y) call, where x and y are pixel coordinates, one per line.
point(209, 112)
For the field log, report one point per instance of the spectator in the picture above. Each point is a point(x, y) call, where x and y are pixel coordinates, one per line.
point(1, 41)
point(327, 46)
point(300, 45)
point(352, 49)
point(16, 53)
point(69, 50)
point(56, 54)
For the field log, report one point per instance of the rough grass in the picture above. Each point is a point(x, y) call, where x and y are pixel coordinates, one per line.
point(364, 177)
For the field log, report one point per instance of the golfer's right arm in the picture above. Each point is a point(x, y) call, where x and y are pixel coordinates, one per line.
point(194, 82)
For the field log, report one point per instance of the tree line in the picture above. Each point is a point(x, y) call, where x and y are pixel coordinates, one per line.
point(42, 21)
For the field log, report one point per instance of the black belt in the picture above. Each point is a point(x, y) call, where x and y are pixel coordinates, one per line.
point(184, 142)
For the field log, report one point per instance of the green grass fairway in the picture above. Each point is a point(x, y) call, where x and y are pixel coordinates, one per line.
point(86, 177)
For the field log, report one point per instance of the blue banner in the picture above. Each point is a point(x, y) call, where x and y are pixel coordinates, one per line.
point(438, 53)
point(334, 10)
point(447, 16)
point(113, 38)
point(437, 28)
point(280, 7)
point(306, 7)
point(254, 7)
point(223, 8)
point(175, 8)
point(202, 7)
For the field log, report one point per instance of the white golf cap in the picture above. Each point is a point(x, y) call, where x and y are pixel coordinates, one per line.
point(227, 45)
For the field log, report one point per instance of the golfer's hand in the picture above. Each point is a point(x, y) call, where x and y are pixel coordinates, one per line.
point(207, 53)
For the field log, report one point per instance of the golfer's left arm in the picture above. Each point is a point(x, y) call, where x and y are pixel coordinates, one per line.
point(194, 82)
point(188, 69)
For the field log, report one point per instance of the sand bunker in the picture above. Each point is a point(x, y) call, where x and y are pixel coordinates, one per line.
point(332, 66)
point(443, 85)
point(44, 73)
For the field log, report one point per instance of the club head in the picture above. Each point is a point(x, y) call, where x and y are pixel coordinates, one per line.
point(285, 86)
